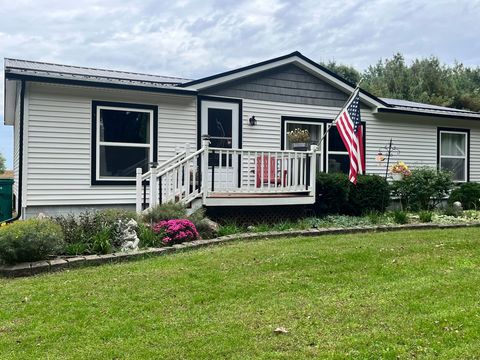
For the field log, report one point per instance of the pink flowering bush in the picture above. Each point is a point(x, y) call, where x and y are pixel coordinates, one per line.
point(176, 231)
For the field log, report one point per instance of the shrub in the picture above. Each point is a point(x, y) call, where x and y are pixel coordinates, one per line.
point(332, 191)
point(93, 232)
point(425, 216)
point(175, 231)
point(400, 217)
point(337, 195)
point(168, 211)
point(451, 210)
point(423, 189)
point(370, 194)
point(468, 194)
point(30, 240)
point(147, 237)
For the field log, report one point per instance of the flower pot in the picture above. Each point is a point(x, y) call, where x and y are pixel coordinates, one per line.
point(397, 176)
point(300, 146)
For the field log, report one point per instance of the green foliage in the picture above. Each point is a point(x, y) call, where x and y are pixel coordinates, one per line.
point(400, 217)
point(349, 73)
point(2, 164)
point(93, 232)
point(371, 193)
point(451, 210)
point(337, 195)
point(30, 240)
point(147, 237)
point(425, 216)
point(468, 194)
point(332, 190)
point(423, 189)
point(230, 228)
point(101, 241)
point(374, 217)
point(424, 80)
point(168, 211)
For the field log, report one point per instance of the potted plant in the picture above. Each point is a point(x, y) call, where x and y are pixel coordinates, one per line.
point(299, 138)
point(399, 171)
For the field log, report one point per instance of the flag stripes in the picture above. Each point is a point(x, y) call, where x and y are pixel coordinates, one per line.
point(349, 127)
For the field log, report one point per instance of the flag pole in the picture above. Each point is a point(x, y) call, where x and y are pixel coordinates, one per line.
point(320, 142)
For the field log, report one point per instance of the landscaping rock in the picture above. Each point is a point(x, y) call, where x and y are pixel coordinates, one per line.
point(38, 267)
point(58, 264)
point(22, 269)
point(75, 261)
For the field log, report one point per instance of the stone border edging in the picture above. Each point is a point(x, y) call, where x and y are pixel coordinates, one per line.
point(38, 267)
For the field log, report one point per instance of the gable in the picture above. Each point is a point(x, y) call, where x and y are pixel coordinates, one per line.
point(287, 83)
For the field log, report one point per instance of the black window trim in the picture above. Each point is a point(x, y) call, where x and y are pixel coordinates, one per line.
point(455, 130)
point(325, 122)
point(93, 143)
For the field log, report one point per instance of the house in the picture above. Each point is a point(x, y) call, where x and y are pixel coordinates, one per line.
point(100, 138)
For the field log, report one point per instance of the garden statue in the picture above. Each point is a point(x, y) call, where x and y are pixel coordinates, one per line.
point(128, 236)
point(458, 205)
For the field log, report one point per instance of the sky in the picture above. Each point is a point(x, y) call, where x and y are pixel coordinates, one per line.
point(193, 39)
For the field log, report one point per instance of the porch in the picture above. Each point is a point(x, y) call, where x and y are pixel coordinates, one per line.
point(214, 176)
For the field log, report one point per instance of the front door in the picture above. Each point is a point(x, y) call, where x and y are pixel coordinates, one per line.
point(220, 120)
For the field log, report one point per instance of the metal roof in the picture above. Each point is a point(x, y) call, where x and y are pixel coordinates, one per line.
point(103, 76)
point(411, 106)
point(69, 72)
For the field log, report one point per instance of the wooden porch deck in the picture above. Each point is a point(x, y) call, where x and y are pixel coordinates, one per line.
point(258, 199)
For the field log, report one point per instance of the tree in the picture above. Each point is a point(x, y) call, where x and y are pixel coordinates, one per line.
point(348, 72)
point(2, 164)
point(424, 80)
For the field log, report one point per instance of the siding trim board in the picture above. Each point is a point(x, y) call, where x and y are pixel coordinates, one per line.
point(93, 142)
point(458, 130)
point(20, 188)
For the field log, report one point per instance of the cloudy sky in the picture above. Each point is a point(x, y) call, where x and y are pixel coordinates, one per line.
point(197, 38)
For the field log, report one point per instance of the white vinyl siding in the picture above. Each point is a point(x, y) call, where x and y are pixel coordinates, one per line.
point(415, 136)
point(58, 138)
point(59, 141)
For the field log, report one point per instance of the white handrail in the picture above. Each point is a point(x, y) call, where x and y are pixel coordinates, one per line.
point(180, 179)
point(190, 157)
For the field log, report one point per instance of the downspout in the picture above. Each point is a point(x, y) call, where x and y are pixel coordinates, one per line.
point(20, 156)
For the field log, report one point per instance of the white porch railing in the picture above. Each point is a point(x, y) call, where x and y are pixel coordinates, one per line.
point(211, 171)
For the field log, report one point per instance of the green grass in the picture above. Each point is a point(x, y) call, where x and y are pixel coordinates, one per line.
point(412, 294)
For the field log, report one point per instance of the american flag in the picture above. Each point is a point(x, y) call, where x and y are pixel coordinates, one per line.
point(349, 127)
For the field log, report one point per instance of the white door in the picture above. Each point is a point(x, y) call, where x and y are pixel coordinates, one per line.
point(220, 120)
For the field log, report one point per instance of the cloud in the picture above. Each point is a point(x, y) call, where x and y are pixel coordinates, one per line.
point(197, 38)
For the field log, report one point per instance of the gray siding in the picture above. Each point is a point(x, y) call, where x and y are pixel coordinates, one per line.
point(287, 83)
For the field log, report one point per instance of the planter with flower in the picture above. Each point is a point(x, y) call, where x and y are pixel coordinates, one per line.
point(399, 171)
point(299, 138)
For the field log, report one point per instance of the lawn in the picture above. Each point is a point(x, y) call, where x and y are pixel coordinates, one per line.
point(412, 294)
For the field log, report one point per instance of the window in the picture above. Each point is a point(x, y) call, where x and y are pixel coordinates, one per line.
point(453, 152)
point(333, 152)
point(314, 128)
point(337, 155)
point(125, 139)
